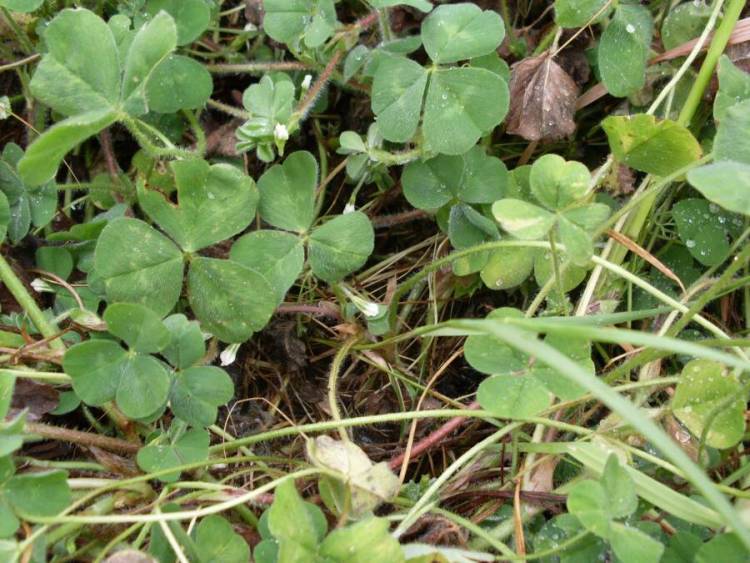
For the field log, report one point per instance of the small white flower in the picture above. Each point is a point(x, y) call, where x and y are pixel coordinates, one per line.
point(250, 27)
point(370, 309)
point(41, 286)
point(349, 208)
point(4, 107)
point(280, 132)
point(306, 82)
point(229, 355)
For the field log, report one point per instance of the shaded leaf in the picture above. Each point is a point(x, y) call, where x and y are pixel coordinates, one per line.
point(332, 256)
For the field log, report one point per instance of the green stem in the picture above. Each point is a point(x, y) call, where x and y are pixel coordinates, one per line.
point(333, 378)
point(45, 327)
point(555, 259)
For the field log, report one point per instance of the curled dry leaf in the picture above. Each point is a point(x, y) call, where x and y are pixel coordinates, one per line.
point(542, 100)
point(38, 398)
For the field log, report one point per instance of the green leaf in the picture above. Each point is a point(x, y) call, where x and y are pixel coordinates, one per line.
point(732, 141)
point(164, 452)
point(287, 192)
point(462, 104)
point(178, 82)
point(523, 220)
point(214, 203)
point(707, 392)
point(139, 265)
point(333, 256)
point(95, 366)
point(727, 548)
point(216, 540)
point(421, 5)
point(140, 328)
point(230, 301)
point(4, 216)
point(397, 93)
point(292, 520)
point(726, 183)
point(704, 229)
point(485, 178)
point(467, 227)
point(507, 268)
point(278, 256)
point(198, 391)
point(362, 542)
point(21, 5)
point(631, 544)
point(656, 147)
point(39, 494)
point(287, 21)
point(587, 501)
point(151, 45)
point(143, 387)
point(619, 488)
point(578, 245)
point(462, 31)
point(191, 16)
point(683, 23)
point(54, 259)
point(43, 156)
point(511, 396)
point(578, 350)
point(734, 87)
point(571, 277)
point(186, 345)
point(557, 183)
point(491, 356)
point(432, 183)
point(579, 13)
point(270, 103)
point(623, 49)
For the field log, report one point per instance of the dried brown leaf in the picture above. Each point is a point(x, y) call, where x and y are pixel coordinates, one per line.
point(38, 398)
point(542, 100)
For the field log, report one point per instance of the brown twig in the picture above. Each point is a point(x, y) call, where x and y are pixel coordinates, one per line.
point(84, 438)
point(387, 221)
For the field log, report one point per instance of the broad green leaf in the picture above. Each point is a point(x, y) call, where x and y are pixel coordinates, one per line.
point(287, 192)
point(21, 5)
point(463, 31)
point(557, 183)
point(333, 256)
point(564, 527)
point(139, 265)
point(704, 229)
point(4, 216)
point(571, 277)
point(523, 220)
point(578, 350)
point(507, 267)
point(55, 259)
point(397, 93)
point(511, 396)
point(43, 156)
point(421, 5)
point(579, 13)
point(732, 141)
point(589, 217)
point(39, 494)
point(191, 16)
point(362, 542)
point(178, 82)
point(707, 392)
point(467, 227)
point(432, 183)
point(164, 453)
point(491, 356)
point(727, 548)
point(291, 520)
point(186, 345)
point(197, 393)
point(462, 104)
point(734, 87)
point(143, 387)
point(623, 49)
point(151, 45)
point(214, 203)
point(684, 22)
point(726, 183)
point(138, 326)
point(681, 548)
point(95, 366)
point(631, 544)
point(287, 21)
point(619, 488)
point(217, 541)
point(588, 502)
point(578, 245)
point(485, 178)
point(230, 301)
point(278, 256)
point(656, 147)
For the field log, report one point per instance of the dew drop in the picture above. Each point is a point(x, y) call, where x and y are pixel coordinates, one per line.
point(630, 28)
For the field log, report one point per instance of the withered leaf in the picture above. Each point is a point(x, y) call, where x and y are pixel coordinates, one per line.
point(542, 100)
point(38, 398)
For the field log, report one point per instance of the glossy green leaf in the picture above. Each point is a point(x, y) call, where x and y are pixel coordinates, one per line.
point(164, 452)
point(507, 267)
point(656, 147)
point(684, 22)
point(571, 277)
point(578, 244)
point(631, 544)
point(191, 16)
point(462, 105)
point(707, 392)
point(734, 87)
point(588, 501)
point(21, 5)
point(422, 5)
point(727, 548)
point(216, 540)
point(178, 82)
point(333, 256)
point(214, 203)
point(362, 542)
point(287, 21)
point(557, 183)
point(186, 344)
point(704, 229)
point(397, 93)
point(287, 192)
point(523, 220)
point(230, 301)
point(619, 488)
point(432, 183)
point(139, 265)
point(511, 396)
point(732, 141)
point(198, 391)
point(623, 49)
point(725, 183)
point(485, 178)
point(452, 33)
point(579, 13)
point(278, 256)
point(138, 326)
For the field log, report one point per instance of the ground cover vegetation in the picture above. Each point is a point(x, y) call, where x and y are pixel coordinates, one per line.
point(374, 281)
